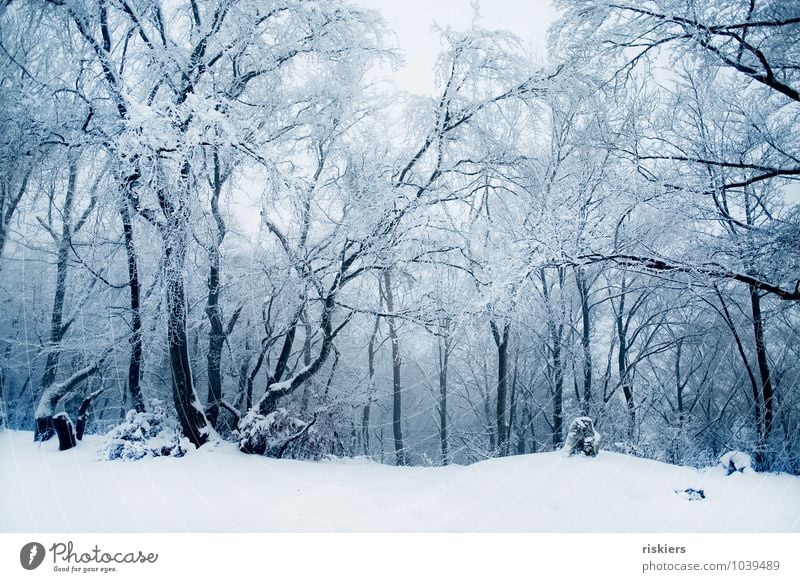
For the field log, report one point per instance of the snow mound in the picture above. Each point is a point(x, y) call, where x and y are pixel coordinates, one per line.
point(219, 489)
point(691, 494)
point(582, 438)
point(143, 434)
point(280, 435)
point(736, 462)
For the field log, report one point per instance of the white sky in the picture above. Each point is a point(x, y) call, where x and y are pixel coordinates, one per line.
point(412, 20)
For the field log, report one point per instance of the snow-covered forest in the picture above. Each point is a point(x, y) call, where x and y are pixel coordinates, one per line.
point(225, 216)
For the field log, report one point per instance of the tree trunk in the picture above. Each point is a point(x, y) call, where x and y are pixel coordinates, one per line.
point(187, 404)
point(586, 337)
point(556, 332)
point(370, 387)
point(512, 409)
point(501, 341)
point(45, 411)
point(758, 411)
point(62, 426)
point(216, 335)
point(400, 455)
point(491, 421)
point(444, 357)
point(135, 364)
point(622, 363)
point(44, 427)
point(308, 331)
point(763, 368)
point(558, 395)
point(679, 385)
point(9, 200)
point(83, 413)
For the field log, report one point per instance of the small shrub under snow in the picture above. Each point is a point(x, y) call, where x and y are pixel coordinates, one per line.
point(143, 434)
point(736, 462)
point(691, 494)
point(280, 435)
point(582, 438)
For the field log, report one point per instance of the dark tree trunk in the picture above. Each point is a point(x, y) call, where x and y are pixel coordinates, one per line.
point(370, 387)
point(45, 411)
point(623, 370)
point(308, 331)
point(556, 329)
point(491, 421)
point(216, 340)
point(216, 335)
point(397, 412)
point(135, 364)
point(187, 404)
point(531, 422)
point(269, 402)
point(44, 427)
point(679, 385)
point(558, 395)
point(83, 413)
point(763, 368)
point(586, 338)
point(522, 425)
point(501, 342)
point(758, 410)
point(512, 409)
point(65, 431)
point(444, 357)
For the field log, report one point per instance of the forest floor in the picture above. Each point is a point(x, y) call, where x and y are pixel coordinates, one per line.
point(218, 489)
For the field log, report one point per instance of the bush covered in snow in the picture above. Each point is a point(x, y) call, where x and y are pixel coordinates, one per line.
point(281, 435)
point(143, 434)
point(736, 462)
point(582, 438)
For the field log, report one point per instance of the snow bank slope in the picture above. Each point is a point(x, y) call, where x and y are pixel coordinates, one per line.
point(217, 488)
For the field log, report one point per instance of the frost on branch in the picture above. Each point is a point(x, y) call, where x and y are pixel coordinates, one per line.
point(281, 435)
point(143, 434)
point(582, 438)
point(736, 462)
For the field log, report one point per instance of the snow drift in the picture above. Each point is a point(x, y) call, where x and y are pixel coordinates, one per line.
point(218, 489)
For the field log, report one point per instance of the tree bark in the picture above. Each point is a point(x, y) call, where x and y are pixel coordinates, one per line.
point(365, 419)
point(65, 431)
point(444, 357)
point(45, 411)
point(397, 412)
point(216, 335)
point(501, 342)
point(187, 404)
point(767, 393)
point(758, 411)
point(9, 200)
point(622, 362)
point(586, 341)
point(556, 330)
point(135, 363)
point(83, 413)
point(44, 427)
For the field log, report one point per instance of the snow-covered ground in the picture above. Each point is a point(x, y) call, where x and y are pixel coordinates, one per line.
point(217, 488)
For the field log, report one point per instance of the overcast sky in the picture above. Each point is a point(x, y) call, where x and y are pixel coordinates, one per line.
point(412, 20)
